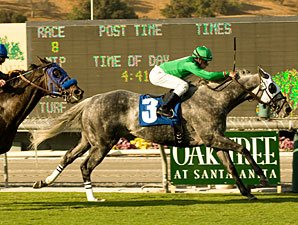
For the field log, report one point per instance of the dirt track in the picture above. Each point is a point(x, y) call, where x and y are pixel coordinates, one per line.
point(112, 172)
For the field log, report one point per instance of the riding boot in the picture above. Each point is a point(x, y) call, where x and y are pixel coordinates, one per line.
point(166, 109)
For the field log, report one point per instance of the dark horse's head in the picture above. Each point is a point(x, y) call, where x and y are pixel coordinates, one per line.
point(53, 81)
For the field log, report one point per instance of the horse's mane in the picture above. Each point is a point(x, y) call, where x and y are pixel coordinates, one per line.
point(13, 84)
point(33, 66)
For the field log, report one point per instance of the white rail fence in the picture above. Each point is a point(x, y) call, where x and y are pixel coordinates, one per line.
point(233, 123)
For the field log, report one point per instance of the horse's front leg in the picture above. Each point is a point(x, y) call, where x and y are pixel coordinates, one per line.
point(224, 143)
point(67, 159)
point(229, 165)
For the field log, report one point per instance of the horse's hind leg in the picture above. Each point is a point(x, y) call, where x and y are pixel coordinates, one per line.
point(67, 159)
point(227, 162)
point(224, 143)
point(95, 157)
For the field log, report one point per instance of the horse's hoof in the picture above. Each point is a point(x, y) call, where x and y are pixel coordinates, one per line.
point(39, 184)
point(252, 198)
point(264, 182)
point(96, 200)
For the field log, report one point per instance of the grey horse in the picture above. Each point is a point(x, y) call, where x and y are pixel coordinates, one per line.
point(104, 118)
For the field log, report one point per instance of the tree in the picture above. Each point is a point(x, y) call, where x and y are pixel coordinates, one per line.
point(223, 6)
point(198, 8)
point(8, 16)
point(13, 49)
point(103, 9)
point(178, 9)
point(281, 2)
point(203, 8)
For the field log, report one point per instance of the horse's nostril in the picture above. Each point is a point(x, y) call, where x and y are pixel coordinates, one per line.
point(77, 92)
point(288, 110)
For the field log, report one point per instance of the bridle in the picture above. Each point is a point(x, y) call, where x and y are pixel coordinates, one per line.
point(271, 103)
point(21, 75)
point(255, 96)
point(262, 88)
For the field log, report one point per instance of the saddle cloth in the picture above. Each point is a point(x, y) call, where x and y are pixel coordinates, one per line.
point(147, 112)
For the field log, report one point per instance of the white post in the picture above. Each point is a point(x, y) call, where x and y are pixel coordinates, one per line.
point(91, 9)
point(32, 10)
point(5, 170)
point(164, 164)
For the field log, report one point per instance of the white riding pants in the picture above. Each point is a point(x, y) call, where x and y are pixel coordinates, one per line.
point(159, 78)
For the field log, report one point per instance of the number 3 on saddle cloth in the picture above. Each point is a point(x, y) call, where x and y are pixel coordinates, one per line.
point(148, 106)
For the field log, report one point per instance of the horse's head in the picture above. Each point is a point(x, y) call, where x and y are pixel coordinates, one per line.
point(271, 94)
point(58, 83)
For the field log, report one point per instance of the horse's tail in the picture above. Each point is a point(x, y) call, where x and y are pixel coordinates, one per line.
point(69, 120)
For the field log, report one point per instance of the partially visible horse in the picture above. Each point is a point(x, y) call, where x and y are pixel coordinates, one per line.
point(105, 118)
point(22, 92)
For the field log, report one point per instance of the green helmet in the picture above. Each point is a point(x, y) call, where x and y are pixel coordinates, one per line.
point(202, 53)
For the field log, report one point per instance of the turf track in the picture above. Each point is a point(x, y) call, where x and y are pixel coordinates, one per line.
point(147, 208)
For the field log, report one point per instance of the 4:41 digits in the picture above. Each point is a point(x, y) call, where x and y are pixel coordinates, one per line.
point(140, 76)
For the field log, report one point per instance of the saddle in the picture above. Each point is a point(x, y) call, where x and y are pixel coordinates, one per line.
point(148, 117)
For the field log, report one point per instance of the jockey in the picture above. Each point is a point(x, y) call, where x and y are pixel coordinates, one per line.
point(3, 56)
point(172, 75)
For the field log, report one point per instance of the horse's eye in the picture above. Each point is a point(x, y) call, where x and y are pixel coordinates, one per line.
point(266, 76)
point(56, 73)
point(272, 88)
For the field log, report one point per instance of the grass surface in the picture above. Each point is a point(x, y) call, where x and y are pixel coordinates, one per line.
point(147, 208)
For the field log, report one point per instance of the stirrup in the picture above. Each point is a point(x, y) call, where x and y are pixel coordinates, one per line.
point(169, 114)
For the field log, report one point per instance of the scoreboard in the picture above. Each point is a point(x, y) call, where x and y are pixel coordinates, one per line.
point(106, 55)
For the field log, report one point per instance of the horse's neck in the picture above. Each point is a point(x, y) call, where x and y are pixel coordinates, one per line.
point(228, 96)
point(32, 100)
point(236, 95)
point(17, 106)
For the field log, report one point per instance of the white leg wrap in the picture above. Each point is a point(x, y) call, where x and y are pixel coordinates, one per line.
point(50, 179)
point(89, 192)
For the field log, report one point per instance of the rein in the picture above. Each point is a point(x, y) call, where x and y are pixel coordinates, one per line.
point(34, 85)
point(26, 73)
point(225, 81)
point(251, 93)
point(22, 76)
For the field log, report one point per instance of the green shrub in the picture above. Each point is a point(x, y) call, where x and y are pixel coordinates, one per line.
point(7, 16)
point(198, 8)
point(103, 9)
